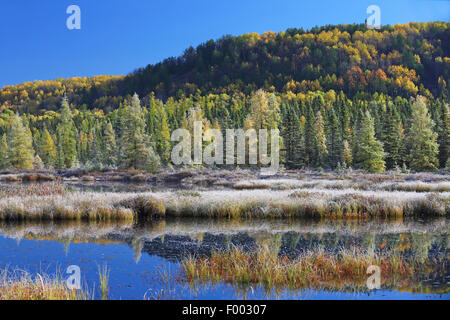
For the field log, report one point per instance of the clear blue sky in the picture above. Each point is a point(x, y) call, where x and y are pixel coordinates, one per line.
point(118, 36)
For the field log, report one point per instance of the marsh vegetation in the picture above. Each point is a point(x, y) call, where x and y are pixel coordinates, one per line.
point(243, 235)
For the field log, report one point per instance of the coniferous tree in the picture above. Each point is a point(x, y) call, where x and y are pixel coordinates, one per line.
point(293, 139)
point(96, 155)
point(67, 136)
point(160, 133)
point(421, 139)
point(335, 146)
point(20, 149)
point(370, 154)
point(321, 150)
point(47, 149)
point(310, 137)
point(60, 158)
point(347, 156)
point(4, 160)
point(110, 155)
point(443, 133)
point(392, 137)
point(137, 151)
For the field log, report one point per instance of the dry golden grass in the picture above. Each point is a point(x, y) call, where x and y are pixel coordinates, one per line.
point(315, 269)
point(21, 286)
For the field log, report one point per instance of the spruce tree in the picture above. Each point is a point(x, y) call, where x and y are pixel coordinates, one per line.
point(310, 136)
point(47, 149)
point(4, 161)
point(443, 133)
point(370, 154)
point(321, 150)
point(110, 153)
point(137, 151)
point(392, 137)
point(159, 132)
point(67, 136)
point(421, 139)
point(347, 156)
point(20, 148)
point(335, 141)
point(293, 139)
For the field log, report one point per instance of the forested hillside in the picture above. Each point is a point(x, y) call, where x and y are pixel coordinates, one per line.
point(342, 96)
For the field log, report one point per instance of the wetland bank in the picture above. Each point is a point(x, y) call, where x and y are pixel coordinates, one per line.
point(196, 235)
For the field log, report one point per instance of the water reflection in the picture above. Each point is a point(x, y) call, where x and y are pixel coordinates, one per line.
point(138, 250)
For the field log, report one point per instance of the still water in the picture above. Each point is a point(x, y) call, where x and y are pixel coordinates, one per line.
point(144, 260)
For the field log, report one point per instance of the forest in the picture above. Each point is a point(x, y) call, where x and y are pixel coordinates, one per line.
point(342, 97)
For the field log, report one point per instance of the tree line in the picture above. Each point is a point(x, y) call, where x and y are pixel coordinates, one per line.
point(318, 130)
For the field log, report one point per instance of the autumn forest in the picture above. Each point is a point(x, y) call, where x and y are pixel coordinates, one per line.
point(342, 97)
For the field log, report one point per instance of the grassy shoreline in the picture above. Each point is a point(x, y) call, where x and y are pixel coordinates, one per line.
point(313, 203)
point(288, 195)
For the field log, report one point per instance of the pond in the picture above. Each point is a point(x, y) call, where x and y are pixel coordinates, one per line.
point(144, 259)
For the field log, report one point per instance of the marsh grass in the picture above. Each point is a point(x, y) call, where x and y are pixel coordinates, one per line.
point(37, 189)
point(366, 183)
point(20, 285)
point(315, 269)
point(311, 203)
point(83, 206)
point(103, 276)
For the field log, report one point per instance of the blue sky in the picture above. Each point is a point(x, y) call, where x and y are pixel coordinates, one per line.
point(118, 36)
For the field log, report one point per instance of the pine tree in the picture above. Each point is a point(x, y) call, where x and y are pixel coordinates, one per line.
point(4, 161)
point(310, 136)
point(347, 156)
point(370, 154)
point(137, 151)
point(47, 149)
point(20, 148)
point(334, 142)
point(67, 136)
point(321, 150)
point(159, 131)
point(96, 152)
point(120, 132)
point(392, 137)
point(110, 155)
point(421, 139)
point(60, 158)
point(443, 133)
point(293, 139)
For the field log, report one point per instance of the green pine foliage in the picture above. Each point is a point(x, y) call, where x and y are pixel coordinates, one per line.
point(392, 137)
point(67, 137)
point(370, 156)
point(422, 140)
point(4, 159)
point(137, 150)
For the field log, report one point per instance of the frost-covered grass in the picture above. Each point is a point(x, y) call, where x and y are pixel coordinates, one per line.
point(225, 203)
point(89, 206)
point(313, 203)
point(38, 189)
point(339, 184)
